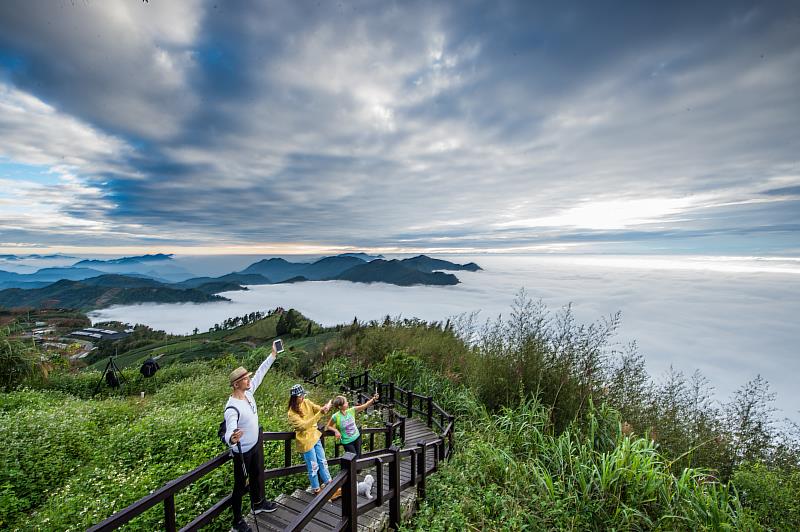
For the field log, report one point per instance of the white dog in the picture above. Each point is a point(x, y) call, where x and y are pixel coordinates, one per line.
point(365, 487)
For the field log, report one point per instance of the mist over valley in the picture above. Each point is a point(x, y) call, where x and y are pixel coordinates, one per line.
point(731, 318)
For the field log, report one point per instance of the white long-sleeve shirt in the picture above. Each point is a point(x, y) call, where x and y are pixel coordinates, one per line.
point(248, 412)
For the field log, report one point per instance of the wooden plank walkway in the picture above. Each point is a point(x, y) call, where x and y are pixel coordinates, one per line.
point(329, 518)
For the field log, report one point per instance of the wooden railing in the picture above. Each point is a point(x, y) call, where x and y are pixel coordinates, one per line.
point(396, 398)
point(392, 397)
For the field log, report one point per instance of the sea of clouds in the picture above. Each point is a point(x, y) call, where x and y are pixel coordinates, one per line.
point(731, 318)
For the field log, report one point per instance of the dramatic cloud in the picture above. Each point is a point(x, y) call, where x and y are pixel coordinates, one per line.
point(409, 126)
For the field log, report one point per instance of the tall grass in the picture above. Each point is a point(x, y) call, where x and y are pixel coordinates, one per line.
point(511, 472)
point(568, 368)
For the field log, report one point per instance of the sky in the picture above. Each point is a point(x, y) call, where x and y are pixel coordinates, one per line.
point(462, 127)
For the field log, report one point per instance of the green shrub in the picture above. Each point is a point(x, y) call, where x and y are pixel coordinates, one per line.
point(18, 361)
point(47, 438)
point(771, 494)
point(513, 473)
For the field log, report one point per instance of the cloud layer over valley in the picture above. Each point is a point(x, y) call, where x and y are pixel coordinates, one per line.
point(729, 319)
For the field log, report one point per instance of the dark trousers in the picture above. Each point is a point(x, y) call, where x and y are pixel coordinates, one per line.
point(354, 446)
point(254, 463)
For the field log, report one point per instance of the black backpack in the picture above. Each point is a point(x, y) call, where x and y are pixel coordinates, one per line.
point(149, 367)
point(222, 427)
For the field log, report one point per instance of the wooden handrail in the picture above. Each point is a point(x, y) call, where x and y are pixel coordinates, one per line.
point(319, 501)
point(206, 517)
point(159, 495)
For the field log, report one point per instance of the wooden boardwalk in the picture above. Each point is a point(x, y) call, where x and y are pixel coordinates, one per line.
point(330, 517)
point(301, 510)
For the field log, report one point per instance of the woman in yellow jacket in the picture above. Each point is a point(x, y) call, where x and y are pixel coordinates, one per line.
point(303, 416)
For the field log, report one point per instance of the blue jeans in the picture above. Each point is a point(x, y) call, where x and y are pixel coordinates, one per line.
point(315, 462)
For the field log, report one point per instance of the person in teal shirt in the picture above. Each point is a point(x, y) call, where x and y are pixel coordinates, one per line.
point(343, 423)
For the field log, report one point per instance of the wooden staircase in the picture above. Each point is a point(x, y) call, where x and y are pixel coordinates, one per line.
point(330, 517)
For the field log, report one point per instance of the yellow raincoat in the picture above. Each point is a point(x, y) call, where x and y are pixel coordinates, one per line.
point(305, 424)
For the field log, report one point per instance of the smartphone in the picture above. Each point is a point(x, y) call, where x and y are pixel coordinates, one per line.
point(278, 345)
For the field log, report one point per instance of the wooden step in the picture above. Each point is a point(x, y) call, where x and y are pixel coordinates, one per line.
point(330, 516)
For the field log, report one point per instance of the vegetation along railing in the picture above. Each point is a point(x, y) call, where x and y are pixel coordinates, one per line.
point(395, 399)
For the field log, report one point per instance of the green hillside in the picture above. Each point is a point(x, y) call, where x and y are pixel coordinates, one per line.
point(234, 340)
point(261, 330)
point(541, 442)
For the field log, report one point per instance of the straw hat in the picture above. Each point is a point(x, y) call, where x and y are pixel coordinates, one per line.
point(239, 373)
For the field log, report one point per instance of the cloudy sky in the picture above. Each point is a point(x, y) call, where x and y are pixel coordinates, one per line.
point(637, 127)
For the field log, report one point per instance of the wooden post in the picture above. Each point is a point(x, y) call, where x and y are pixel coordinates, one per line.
point(379, 481)
point(169, 514)
point(430, 411)
point(391, 394)
point(350, 492)
point(410, 403)
point(422, 467)
point(287, 453)
point(451, 435)
point(394, 485)
point(414, 468)
point(366, 382)
point(403, 429)
point(389, 434)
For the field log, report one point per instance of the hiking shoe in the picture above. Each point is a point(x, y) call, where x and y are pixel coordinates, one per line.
point(265, 506)
point(241, 526)
point(336, 494)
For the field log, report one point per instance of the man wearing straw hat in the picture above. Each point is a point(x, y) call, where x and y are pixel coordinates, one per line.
point(243, 434)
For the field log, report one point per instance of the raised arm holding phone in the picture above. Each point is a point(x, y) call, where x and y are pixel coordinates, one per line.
point(243, 434)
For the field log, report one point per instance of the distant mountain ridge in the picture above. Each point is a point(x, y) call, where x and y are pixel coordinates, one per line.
point(36, 256)
point(428, 264)
point(159, 266)
point(395, 272)
point(280, 270)
point(102, 291)
point(363, 256)
point(91, 288)
point(127, 260)
point(237, 278)
point(44, 277)
point(349, 267)
point(275, 269)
